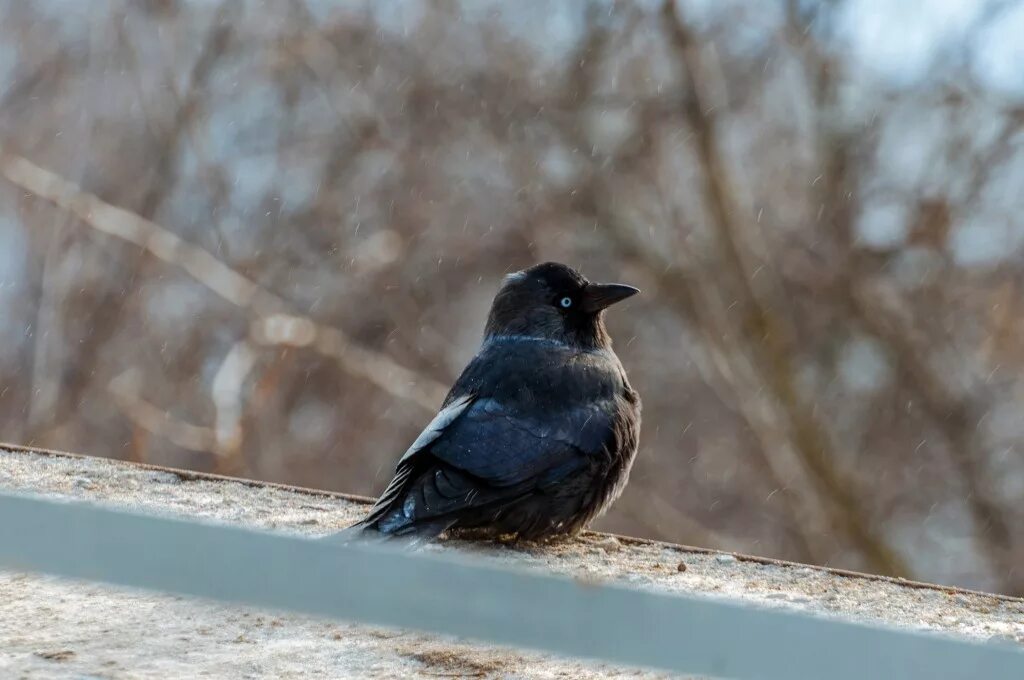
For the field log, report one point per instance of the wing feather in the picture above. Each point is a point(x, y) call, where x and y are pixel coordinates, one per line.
point(403, 472)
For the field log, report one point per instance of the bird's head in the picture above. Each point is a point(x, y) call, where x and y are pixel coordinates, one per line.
point(552, 301)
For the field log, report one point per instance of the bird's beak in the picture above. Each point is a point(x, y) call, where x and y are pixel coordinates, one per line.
point(598, 296)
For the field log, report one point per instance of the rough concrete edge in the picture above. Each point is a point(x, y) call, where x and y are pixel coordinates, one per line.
point(190, 475)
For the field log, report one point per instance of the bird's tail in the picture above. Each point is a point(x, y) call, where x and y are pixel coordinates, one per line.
point(355, 532)
point(409, 536)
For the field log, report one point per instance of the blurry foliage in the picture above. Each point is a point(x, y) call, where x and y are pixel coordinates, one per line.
point(261, 238)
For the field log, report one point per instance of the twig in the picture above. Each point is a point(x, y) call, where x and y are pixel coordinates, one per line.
point(299, 331)
point(811, 440)
point(45, 394)
point(225, 439)
point(957, 419)
point(125, 390)
point(188, 104)
point(720, 361)
point(652, 510)
point(724, 366)
point(228, 403)
point(230, 285)
point(879, 314)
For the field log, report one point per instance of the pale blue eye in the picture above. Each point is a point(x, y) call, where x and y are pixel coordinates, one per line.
point(566, 302)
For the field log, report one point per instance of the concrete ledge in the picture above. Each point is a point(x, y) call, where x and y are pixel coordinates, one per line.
point(52, 628)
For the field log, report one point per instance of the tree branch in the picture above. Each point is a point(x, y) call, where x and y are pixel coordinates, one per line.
point(227, 283)
point(761, 320)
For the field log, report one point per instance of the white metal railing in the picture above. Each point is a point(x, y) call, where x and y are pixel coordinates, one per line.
point(475, 599)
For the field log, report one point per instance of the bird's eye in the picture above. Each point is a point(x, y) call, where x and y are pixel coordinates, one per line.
point(566, 302)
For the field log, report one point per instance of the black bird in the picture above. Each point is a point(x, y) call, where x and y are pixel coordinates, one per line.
point(537, 436)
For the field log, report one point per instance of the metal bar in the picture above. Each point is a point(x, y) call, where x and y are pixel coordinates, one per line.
point(474, 599)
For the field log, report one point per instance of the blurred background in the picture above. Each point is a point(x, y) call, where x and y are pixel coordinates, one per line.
point(261, 238)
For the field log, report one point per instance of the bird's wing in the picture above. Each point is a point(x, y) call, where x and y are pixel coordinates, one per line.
point(430, 433)
point(489, 456)
point(503, 447)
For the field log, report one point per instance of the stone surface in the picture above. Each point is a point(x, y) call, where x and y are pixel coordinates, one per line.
point(51, 628)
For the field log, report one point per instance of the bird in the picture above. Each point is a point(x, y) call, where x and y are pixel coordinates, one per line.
point(538, 434)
